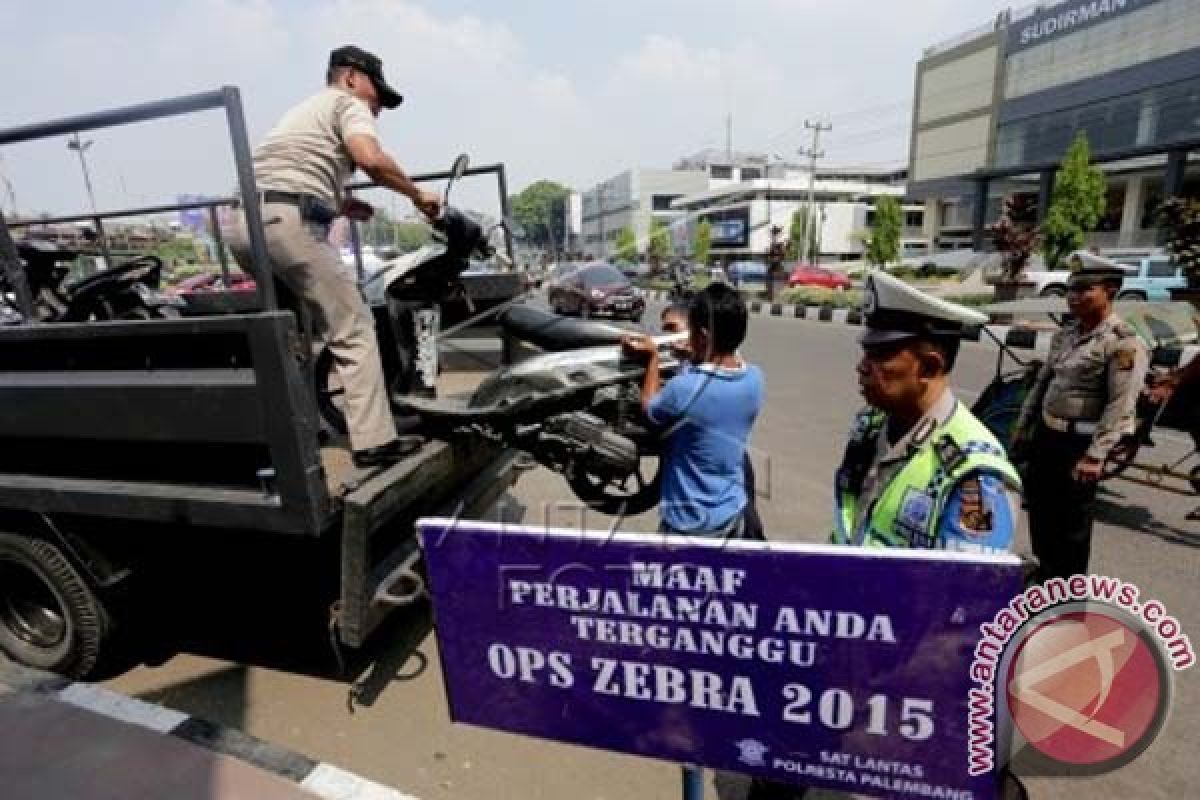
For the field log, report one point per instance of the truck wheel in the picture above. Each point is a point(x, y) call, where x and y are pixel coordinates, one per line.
point(1132, 297)
point(50, 618)
point(1054, 291)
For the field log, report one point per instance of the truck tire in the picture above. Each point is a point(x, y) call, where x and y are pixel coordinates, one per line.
point(50, 618)
point(1054, 291)
point(1133, 297)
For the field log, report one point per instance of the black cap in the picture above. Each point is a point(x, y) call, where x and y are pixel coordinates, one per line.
point(369, 65)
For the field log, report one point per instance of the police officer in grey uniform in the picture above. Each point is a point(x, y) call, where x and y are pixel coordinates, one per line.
point(1083, 402)
point(301, 168)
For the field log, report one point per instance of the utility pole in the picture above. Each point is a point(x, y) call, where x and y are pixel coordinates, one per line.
point(729, 138)
point(814, 153)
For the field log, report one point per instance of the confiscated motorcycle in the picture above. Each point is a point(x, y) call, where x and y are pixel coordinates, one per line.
point(576, 408)
point(129, 291)
point(405, 297)
point(576, 411)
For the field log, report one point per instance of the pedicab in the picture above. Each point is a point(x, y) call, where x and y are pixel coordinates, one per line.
point(1166, 329)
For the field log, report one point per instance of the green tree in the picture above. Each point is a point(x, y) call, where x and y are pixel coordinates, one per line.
point(702, 242)
point(883, 241)
point(1077, 203)
point(626, 248)
point(540, 209)
point(804, 236)
point(660, 248)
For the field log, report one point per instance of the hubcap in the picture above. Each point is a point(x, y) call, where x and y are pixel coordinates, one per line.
point(29, 608)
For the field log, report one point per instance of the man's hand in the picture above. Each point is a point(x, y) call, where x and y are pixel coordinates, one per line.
point(1162, 390)
point(356, 209)
point(639, 345)
point(428, 203)
point(1088, 470)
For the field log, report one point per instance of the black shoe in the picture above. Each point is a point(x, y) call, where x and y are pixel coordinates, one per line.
point(388, 453)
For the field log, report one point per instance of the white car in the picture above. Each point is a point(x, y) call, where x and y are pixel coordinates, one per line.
point(1053, 283)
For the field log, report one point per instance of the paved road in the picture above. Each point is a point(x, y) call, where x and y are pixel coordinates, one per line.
point(389, 722)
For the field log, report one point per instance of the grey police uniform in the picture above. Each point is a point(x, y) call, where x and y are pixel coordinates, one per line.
point(1083, 402)
point(300, 169)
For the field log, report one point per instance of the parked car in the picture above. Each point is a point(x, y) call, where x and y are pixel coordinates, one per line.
point(213, 282)
point(747, 272)
point(1053, 283)
point(810, 275)
point(595, 289)
point(1151, 278)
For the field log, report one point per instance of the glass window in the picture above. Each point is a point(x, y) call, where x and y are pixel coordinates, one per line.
point(750, 173)
point(662, 202)
point(720, 172)
point(1161, 268)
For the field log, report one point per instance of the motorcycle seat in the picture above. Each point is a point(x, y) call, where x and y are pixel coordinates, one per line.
point(554, 333)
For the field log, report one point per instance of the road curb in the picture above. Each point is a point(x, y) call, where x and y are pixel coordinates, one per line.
point(318, 778)
point(1016, 337)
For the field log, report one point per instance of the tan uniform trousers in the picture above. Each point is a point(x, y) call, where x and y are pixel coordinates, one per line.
point(312, 269)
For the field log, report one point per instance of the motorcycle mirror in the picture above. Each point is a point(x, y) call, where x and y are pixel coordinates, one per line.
point(456, 172)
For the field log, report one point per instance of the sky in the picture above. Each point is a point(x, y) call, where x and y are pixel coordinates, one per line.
point(569, 91)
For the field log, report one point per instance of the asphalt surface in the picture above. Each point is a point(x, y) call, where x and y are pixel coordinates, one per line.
point(389, 721)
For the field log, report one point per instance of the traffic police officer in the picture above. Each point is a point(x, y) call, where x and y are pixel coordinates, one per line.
point(920, 470)
point(1083, 402)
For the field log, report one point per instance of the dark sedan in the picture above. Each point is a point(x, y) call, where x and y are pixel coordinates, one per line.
point(595, 289)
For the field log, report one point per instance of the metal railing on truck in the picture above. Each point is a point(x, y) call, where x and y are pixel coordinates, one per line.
point(205, 421)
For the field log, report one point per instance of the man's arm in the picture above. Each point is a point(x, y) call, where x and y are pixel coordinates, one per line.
point(1127, 365)
point(383, 169)
point(1032, 408)
point(642, 346)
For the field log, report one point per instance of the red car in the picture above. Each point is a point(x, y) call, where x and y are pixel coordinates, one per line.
point(212, 282)
point(592, 290)
point(808, 275)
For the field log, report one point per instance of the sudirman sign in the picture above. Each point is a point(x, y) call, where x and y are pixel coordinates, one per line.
point(1067, 18)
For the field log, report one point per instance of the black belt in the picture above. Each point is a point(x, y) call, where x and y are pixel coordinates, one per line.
point(273, 196)
point(311, 207)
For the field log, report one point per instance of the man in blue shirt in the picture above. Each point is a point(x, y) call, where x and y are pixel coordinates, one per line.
point(707, 413)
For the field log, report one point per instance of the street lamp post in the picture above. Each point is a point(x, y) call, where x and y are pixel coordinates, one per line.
point(81, 147)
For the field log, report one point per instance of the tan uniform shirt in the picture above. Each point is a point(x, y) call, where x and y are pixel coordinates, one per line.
point(306, 152)
point(1094, 377)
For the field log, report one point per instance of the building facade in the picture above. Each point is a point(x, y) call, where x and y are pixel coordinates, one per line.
point(742, 195)
point(996, 108)
point(633, 199)
point(742, 214)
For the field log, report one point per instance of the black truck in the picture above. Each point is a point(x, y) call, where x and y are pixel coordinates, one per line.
point(136, 456)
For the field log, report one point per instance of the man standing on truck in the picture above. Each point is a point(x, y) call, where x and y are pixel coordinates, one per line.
point(301, 168)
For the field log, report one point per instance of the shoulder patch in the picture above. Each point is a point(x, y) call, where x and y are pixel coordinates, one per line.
point(1125, 359)
point(974, 517)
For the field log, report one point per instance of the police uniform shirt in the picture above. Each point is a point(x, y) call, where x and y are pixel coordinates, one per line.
point(980, 514)
point(306, 152)
point(1095, 377)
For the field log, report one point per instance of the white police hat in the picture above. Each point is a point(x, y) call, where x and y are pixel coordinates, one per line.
point(894, 311)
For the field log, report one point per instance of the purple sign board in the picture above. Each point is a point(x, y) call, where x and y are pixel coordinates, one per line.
point(811, 665)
